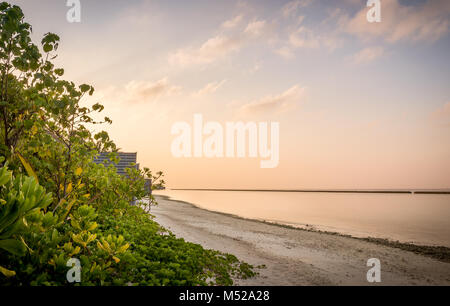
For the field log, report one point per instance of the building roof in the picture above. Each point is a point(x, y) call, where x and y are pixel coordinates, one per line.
point(126, 159)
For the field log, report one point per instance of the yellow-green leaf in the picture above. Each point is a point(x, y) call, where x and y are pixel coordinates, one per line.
point(68, 209)
point(75, 224)
point(76, 251)
point(78, 171)
point(93, 226)
point(28, 167)
point(100, 246)
point(93, 267)
point(6, 272)
point(123, 248)
point(91, 238)
point(69, 188)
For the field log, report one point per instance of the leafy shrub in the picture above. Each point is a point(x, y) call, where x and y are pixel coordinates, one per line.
point(19, 198)
point(115, 248)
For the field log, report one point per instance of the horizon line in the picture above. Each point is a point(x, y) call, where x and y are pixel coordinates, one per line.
point(385, 191)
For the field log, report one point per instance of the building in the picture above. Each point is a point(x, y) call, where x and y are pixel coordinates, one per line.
point(126, 160)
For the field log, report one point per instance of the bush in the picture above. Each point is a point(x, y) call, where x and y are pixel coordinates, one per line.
point(114, 247)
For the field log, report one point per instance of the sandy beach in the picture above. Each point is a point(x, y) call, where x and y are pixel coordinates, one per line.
point(297, 257)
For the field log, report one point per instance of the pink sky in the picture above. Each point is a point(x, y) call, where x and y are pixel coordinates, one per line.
point(360, 105)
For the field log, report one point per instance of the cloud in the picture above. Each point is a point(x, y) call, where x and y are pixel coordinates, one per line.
point(256, 28)
point(428, 21)
point(210, 88)
point(367, 55)
point(219, 46)
point(148, 91)
point(278, 103)
point(306, 38)
point(323, 36)
point(138, 92)
point(442, 115)
point(285, 52)
point(292, 7)
point(213, 49)
point(425, 22)
point(232, 23)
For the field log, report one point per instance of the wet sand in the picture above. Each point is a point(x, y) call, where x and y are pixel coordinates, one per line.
point(297, 257)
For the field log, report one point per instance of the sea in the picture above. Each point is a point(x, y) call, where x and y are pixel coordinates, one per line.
point(406, 217)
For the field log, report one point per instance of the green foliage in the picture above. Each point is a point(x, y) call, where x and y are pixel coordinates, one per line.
point(117, 245)
point(19, 198)
point(57, 204)
point(157, 257)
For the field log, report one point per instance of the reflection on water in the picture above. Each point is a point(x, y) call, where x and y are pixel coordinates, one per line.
point(422, 219)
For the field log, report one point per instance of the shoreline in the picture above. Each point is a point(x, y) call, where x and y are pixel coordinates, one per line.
point(441, 253)
point(298, 256)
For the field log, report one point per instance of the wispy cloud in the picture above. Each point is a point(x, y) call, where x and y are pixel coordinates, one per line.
point(291, 8)
point(442, 115)
point(232, 23)
point(426, 22)
point(219, 46)
point(213, 49)
point(367, 55)
point(277, 103)
point(285, 52)
point(210, 88)
point(138, 92)
point(256, 28)
point(304, 37)
point(148, 91)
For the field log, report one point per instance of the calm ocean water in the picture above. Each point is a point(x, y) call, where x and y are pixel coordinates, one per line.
point(421, 219)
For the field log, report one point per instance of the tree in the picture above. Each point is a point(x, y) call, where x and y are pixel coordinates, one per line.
point(19, 61)
point(40, 113)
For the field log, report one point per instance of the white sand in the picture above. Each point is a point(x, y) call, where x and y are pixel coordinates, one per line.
point(296, 257)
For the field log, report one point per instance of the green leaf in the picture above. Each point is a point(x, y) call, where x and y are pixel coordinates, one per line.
point(13, 246)
point(48, 48)
point(12, 229)
point(85, 88)
point(9, 217)
point(59, 72)
point(5, 176)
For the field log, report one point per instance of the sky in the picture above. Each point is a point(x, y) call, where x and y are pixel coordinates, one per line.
point(360, 105)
